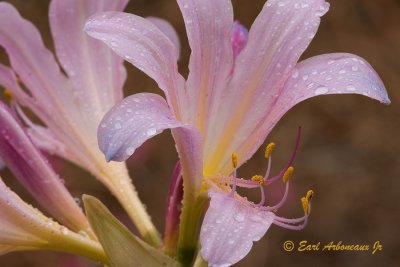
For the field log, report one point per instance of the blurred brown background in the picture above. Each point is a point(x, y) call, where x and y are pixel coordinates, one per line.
point(349, 151)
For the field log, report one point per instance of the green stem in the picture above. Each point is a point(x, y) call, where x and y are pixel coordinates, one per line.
point(191, 219)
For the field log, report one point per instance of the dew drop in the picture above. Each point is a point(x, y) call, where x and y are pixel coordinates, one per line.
point(321, 90)
point(151, 131)
point(64, 230)
point(129, 151)
point(118, 126)
point(350, 88)
point(295, 73)
point(239, 217)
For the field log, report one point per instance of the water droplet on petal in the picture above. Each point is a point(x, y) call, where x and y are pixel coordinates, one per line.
point(321, 90)
point(239, 217)
point(151, 131)
point(295, 73)
point(350, 88)
point(64, 230)
point(118, 126)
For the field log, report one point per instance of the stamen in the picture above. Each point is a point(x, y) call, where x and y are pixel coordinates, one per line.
point(234, 160)
point(291, 227)
point(309, 195)
point(258, 178)
point(268, 150)
point(288, 173)
point(306, 202)
point(234, 163)
point(291, 221)
point(7, 93)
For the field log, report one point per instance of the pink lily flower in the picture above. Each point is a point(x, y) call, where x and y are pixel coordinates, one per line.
point(240, 84)
point(70, 98)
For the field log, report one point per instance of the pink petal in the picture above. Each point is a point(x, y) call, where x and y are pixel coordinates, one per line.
point(49, 93)
point(95, 71)
point(34, 64)
point(208, 26)
point(189, 144)
point(168, 30)
point(277, 38)
point(131, 122)
point(320, 75)
point(144, 45)
point(338, 73)
point(230, 227)
point(30, 167)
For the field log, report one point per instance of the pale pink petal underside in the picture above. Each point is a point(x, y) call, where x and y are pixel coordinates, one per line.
point(277, 38)
point(168, 30)
point(131, 122)
point(34, 64)
point(30, 167)
point(96, 72)
point(143, 44)
point(338, 73)
point(230, 227)
point(208, 26)
point(189, 145)
point(320, 75)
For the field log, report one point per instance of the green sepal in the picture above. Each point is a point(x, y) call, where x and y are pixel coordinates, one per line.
point(122, 247)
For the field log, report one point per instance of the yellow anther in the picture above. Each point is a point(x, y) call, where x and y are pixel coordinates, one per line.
point(304, 203)
point(309, 195)
point(258, 178)
point(288, 173)
point(8, 93)
point(268, 150)
point(234, 160)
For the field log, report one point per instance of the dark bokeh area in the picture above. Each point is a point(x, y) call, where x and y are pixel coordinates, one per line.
point(349, 152)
